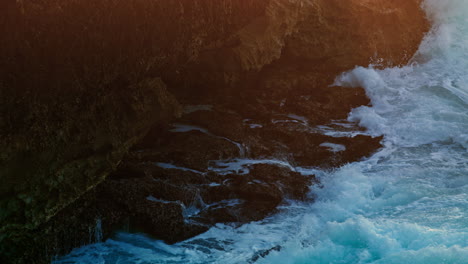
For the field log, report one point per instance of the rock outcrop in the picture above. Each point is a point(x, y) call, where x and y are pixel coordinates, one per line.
point(187, 83)
point(80, 84)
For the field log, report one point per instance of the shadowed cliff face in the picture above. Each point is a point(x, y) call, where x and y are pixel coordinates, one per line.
point(83, 81)
point(338, 35)
point(80, 84)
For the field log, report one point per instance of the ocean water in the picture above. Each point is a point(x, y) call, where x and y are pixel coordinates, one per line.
point(408, 203)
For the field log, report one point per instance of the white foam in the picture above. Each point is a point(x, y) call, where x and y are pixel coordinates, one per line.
point(255, 126)
point(240, 166)
point(181, 128)
point(153, 199)
point(171, 166)
point(302, 119)
point(333, 147)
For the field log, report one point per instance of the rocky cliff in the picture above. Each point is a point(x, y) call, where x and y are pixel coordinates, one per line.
point(185, 86)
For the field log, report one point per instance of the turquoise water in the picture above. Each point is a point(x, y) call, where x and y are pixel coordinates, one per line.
point(408, 203)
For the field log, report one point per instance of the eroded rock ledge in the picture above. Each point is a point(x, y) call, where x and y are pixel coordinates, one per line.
point(185, 86)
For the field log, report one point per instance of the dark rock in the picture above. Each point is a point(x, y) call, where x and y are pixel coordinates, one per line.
point(264, 253)
point(191, 149)
point(83, 81)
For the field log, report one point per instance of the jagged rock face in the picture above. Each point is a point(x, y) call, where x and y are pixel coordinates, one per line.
point(59, 158)
point(338, 35)
point(80, 85)
point(313, 39)
point(83, 81)
point(334, 36)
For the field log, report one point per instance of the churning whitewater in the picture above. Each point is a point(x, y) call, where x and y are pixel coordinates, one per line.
point(408, 203)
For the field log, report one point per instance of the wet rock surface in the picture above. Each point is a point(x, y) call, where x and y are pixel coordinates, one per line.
point(215, 165)
point(212, 165)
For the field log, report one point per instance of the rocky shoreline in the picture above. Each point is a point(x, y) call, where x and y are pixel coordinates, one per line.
point(212, 123)
point(186, 177)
